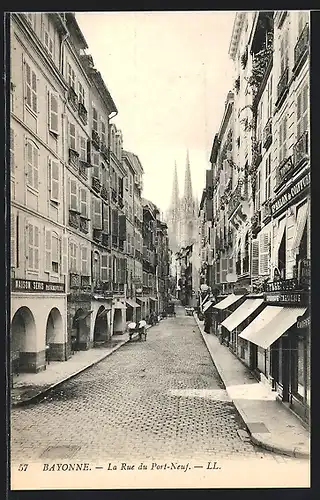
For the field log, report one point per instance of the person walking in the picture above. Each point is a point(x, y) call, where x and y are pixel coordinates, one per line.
point(207, 322)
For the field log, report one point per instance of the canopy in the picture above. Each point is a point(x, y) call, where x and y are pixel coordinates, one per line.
point(119, 305)
point(142, 299)
point(228, 301)
point(103, 313)
point(241, 313)
point(153, 298)
point(132, 303)
point(207, 305)
point(83, 315)
point(271, 323)
point(300, 225)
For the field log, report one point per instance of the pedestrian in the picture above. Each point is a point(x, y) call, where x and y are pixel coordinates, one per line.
point(207, 322)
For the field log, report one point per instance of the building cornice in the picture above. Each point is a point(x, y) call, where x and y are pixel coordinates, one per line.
point(236, 31)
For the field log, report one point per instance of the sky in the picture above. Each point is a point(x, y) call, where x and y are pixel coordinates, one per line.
point(169, 74)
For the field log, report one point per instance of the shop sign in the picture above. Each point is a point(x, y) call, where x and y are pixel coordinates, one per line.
point(304, 267)
point(290, 194)
point(36, 286)
point(303, 322)
point(288, 297)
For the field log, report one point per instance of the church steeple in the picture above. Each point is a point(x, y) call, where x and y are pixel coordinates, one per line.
point(175, 191)
point(188, 198)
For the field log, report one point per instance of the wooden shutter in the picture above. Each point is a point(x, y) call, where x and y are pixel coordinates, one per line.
point(97, 214)
point(105, 212)
point(104, 267)
point(53, 113)
point(255, 257)
point(83, 202)
point(224, 270)
point(89, 152)
point(73, 194)
point(54, 180)
point(48, 250)
point(264, 255)
point(64, 254)
point(110, 268)
point(122, 227)
point(84, 261)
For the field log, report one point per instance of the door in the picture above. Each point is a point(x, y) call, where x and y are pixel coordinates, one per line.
point(285, 368)
point(253, 356)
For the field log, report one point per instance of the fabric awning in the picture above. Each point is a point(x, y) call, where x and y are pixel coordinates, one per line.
point(228, 301)
point(271, 323)
point(142, 299)
point(153, 298)
point(207, 305)
point(241, 313)
point(119, 305)
point(103, 313)
point(83, 315)
point(300, 225)
point(132, 303)
point(280, 232)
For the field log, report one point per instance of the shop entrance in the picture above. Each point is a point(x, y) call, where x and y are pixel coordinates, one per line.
point(54, 335)
point(101, 326)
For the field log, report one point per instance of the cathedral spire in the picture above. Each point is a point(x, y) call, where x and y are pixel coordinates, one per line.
point(188, 198)
point(175, 190)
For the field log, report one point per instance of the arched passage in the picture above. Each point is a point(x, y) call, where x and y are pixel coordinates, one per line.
point(80, 335)
point(117, 321)
point(54, 335)
point(23, 338)
point(101, 326)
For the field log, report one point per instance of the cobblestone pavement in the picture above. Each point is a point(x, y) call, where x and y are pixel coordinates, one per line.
point(149, 400)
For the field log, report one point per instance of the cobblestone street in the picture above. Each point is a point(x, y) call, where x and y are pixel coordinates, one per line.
point(149, 400)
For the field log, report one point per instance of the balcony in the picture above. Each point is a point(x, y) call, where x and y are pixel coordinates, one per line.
point(257, 153)
point(73, 157)
point(266, 211)
point(105, 152)
point(235, 200)
point(103, 288)
point(114, 241)
point(121, 245)
point(104, 193)
point(113, 195)
point(256, 223)
point(73, 98)
point(285, 169)
point(284, 285)
point(95, 139)
point(300, 150)
point(84, 224)
point(106, 240)
point(97, 235)
point(74, 219)
point(83, 113)
point(120, 201)
point(83, 169)
point(282, 87)
point(74, 280)
point(301, 49)
point(267, 134)
point(96, 184)
point(85, 282)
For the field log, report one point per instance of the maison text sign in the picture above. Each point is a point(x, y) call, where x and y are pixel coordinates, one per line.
point(291, 193)
point(36, 286)
point(288, 297)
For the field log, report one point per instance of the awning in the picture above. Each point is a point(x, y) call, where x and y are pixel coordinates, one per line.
point(144, 300)
point(119, 305)
point(280, 232)
point(153, 298)
point(132, 303)
point(271, 323)
point(241, 313)
point(300, 225)
point(228, 301)
point(83, 315)
point(207, 305)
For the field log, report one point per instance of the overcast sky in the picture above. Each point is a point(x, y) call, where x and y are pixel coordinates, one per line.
point(169, 74)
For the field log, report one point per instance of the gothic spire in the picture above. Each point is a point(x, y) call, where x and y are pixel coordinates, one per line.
point(188, 198)
point(175, 190)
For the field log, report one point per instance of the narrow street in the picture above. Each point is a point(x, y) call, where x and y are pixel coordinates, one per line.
point(162, 398)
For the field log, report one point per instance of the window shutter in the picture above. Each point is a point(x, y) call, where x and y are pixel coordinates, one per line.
point(97, 215)
point(122, 227)
point(64, 254)
point(255, 258)
point(13, 236)
point(35, 167)
point(53, 113)
point(264, 257)
point(48, 249)
point(89, 152)
point(55, 181)
point(73, 195)
point(110, 268)
point(28, 84)
point(34, 92)
point(104, 267)
point(224, 270)
point(83, 203)
point(105, 218)
point(305, 108)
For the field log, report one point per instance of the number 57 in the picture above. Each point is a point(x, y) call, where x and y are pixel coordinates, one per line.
point(23, 467)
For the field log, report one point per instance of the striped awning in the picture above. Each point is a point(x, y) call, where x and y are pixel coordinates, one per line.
point(132, 303)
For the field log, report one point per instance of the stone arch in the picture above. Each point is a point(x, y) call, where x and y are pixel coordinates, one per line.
point(80, 330)
point(101, 331)
point(23, 338)
point(117, 321)
point(54, 335)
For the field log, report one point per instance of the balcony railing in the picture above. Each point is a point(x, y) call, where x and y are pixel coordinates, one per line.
point(120, 201)
point(235, 200)
point(106, 240)
point(95, 138)
point(97, 234)
point(84, 224)
point(83, 113)
point(74, 219)
point(115, 241)
point(104, 193)
point(73, 157)
point(300, 150)
point(266, 210)
point(282, 84)
point(105, 152)
point(256, 222)
point(302, 46)
point(113, 195)
point(267, 134)
point(85, 282)
point(83, 169)
point(121, 245)
point(103, 288)
point(73, 98)
point(284, 170)
point(96, 184)
point(283, 285)
point(257, 153)
point(74, 280)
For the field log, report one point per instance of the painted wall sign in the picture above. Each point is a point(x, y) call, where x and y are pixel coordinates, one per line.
point(290, 194)
point(36, 286)
point(289, 297)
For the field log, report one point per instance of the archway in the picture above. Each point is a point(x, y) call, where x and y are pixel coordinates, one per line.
point(23, 337)
point(101, 326)
point(78, 329)
point(117, 321)
point(54, 335)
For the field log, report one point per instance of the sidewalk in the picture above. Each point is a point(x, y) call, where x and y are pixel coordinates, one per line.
point(28, 387)
point(270, 424)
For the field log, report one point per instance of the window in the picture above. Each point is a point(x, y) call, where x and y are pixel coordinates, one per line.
point(103, 132)
point(33, 247)
point(96, 266)
point(55, 258)
point(72, 136)
point(302, 111)
point(284, 44)
point(31, 89)
point(73, 195)
point(258, 191)
point(94, 119)
point(264, 253)
point(84, 261)
point(32, 165)
point(96, 214)
point(104, 267)
point(259, 122)
point(130, 185)
point(283, 139)
point(267, 192)
point(53, 113)
point(105, 218)
point(12, 151)
point(54, 180)
point(73, 256)
point(71, 77)
point(83, 202)
point(269, 93)
point(83, 148)
point(96, 165)
point(81, 95)
point(48, 42)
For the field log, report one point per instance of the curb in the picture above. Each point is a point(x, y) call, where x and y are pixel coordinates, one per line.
point(56, 384)
point(255, 440)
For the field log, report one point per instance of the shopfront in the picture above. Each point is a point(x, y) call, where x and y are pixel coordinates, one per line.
point(223, 309)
